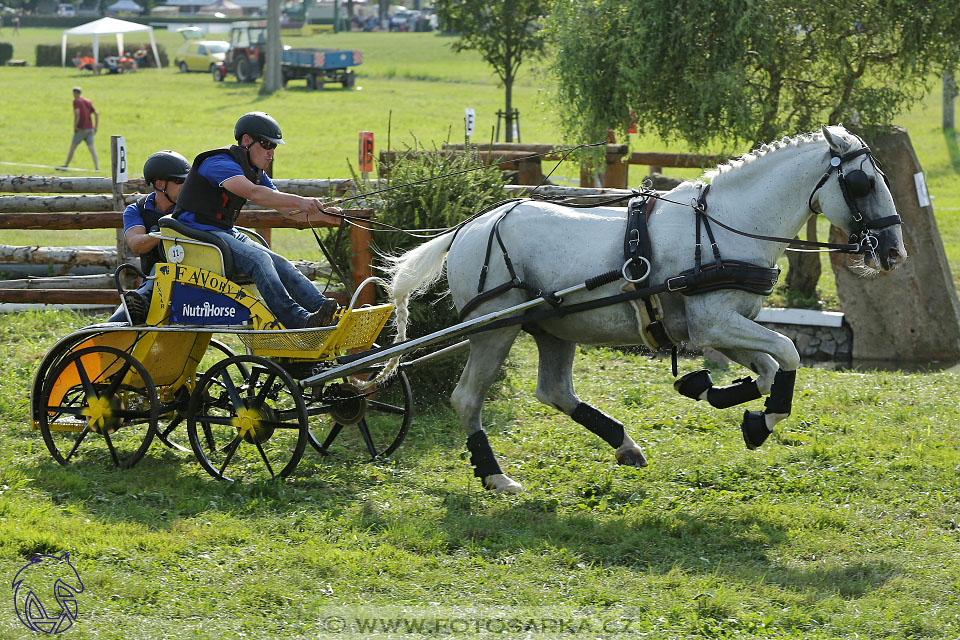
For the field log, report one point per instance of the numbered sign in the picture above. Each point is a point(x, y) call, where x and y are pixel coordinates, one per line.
point(366, 151)
point(469, 120)
point(121, 148)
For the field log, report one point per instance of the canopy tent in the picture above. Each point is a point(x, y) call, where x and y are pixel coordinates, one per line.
point(125, 5)
point(107, 26)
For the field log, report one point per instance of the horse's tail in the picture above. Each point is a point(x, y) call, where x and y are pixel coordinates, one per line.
point(412, 273)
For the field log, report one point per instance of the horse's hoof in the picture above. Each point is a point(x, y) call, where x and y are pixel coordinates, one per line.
point(754, 428)
point(502, 483)
point(693, 384)
point(632, 457)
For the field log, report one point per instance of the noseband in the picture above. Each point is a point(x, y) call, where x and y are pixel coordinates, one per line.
point(853, 185)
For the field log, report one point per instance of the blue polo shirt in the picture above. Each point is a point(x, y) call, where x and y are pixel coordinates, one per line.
point(132, 217)
point(216, 170)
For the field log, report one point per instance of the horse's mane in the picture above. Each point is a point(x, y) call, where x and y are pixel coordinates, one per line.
point(766, 149)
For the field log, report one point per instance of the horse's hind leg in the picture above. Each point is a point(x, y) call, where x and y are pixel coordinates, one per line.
point(487, 352)
point(555, 388)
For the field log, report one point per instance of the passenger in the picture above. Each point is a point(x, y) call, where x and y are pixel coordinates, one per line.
point(220, 183)
point(165, 172)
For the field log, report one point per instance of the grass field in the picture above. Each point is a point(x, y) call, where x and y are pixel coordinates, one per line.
point(846, 524)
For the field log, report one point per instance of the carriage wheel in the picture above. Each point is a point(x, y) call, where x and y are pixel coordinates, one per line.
point(216, 350)
point(369, 424)
point(247, 419)
point(96, 399)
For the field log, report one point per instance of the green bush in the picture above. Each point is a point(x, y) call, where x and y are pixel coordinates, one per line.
point(48, 55)
point(6, 52)
point(430, 197)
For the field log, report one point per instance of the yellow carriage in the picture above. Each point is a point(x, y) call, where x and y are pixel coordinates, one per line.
point(106, 391)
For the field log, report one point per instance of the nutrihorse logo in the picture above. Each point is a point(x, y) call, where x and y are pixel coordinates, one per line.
point(38, 576)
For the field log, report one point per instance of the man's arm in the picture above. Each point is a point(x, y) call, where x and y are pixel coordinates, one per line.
point(271, 199)
point(138, 240)
point(76, 119)
point(96, 119)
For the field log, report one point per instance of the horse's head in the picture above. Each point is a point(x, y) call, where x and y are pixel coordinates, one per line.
point(854, 195)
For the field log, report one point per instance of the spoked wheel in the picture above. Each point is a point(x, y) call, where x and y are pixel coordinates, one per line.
point(215, 351)
point(247, 419)
point(356, 422)
point(99, 400)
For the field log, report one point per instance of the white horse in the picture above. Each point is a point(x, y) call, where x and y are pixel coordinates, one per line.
point(770, 192)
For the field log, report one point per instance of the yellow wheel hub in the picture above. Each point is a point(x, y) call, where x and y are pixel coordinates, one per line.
point(99, 413)
point(250, 424)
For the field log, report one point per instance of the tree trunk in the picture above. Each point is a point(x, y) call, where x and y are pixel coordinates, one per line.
point(949, 93)
point(804, 272)
point(273, 72)
point(508, 87)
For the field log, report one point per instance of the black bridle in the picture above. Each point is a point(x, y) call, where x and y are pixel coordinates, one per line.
point(855, 185)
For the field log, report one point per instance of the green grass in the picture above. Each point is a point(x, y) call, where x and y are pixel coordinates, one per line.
point(845, 524)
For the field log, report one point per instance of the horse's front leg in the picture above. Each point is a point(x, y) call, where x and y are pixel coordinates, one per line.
point(771, 355)
point(555, 388)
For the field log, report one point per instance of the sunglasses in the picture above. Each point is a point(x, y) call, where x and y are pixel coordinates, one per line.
point(266, 144)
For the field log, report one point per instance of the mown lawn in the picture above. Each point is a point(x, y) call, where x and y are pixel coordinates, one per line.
point(846, 524)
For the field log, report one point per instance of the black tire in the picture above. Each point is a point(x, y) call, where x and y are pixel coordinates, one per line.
point(349, 79)
point(244, 69)
point(99, 395)
point(167, 434)
point(372, 431)
point(312, 82)
point(183, 67)
point(247, 419)
point(217, 73)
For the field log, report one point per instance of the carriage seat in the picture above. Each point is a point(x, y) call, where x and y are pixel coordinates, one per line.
point(225, 255)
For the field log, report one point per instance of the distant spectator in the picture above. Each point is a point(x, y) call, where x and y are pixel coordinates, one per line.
point(140, 55)
point(86, 62)
point(16, 24)
point(127, 63)
point(84, 128)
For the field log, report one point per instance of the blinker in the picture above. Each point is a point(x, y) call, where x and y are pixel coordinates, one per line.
point(859, 184)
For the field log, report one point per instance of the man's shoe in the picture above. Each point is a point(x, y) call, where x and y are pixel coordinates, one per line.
point(136, 307)
point(323, 317)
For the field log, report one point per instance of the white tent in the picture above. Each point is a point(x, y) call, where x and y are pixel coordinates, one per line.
point(107, 26)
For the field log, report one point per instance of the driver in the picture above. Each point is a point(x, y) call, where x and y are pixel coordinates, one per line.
point(219, 184)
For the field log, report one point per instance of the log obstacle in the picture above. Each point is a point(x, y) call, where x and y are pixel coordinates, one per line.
point(93, 203)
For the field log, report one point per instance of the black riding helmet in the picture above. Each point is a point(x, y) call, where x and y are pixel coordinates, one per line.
point(258, 124)
point(163, 165)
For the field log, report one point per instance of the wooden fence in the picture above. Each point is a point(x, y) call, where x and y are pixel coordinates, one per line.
point(85, 207)
point(516, 156)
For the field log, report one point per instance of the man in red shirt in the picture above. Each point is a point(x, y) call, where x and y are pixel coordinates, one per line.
point(84, 127)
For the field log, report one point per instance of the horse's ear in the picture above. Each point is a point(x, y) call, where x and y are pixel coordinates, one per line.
point(837, 143)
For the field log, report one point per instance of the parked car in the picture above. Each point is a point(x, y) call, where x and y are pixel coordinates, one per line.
point(199, 55)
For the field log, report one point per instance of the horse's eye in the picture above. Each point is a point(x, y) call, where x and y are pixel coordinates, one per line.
point(859, 184)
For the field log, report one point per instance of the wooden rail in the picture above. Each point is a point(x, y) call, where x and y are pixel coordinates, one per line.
point(86, 208)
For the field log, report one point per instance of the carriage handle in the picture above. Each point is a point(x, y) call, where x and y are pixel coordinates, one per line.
point(370, 280)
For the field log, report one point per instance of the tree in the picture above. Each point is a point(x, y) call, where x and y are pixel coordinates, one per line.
point(504, 32)
point(730, 71)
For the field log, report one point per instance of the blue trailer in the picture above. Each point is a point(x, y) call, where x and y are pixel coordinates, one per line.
point(246, 55)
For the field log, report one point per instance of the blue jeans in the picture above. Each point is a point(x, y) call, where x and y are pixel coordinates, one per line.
point(289, 294)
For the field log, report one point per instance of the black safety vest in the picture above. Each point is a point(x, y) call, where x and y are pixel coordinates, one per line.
point(215, 205)
point(150, 220)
